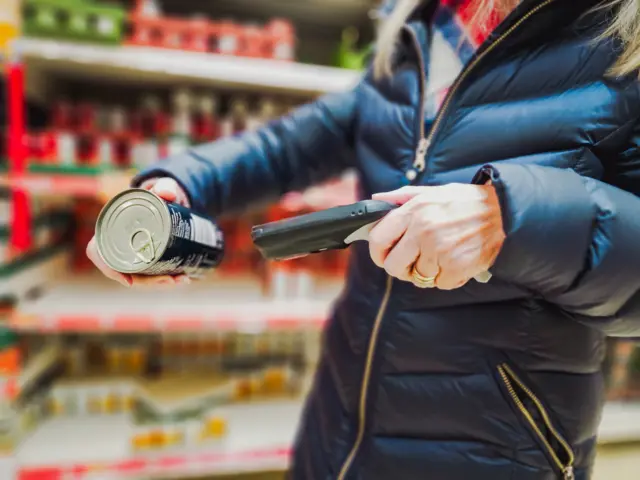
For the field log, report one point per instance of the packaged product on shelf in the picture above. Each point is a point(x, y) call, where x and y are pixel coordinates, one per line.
point(205, 122)
point(281, 39)
point(214, 427)
point(212, 349)
point(291, 278)
point(236, 120)
point(149, 127)
point(63, 115)
point(179, 137)
point(62, 401)
point(75, 357)
point(252, 43)
point(265, 112)
point(117, 142)
point(171, 409)
point(227, 36)
point(66, 148)
point(86, 117)
point(197, 37)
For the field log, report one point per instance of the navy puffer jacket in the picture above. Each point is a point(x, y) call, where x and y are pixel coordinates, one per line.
point(497, 381)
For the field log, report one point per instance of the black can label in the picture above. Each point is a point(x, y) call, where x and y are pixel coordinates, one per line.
point(195, 245)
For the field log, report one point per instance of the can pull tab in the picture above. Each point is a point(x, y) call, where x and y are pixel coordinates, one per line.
point(147, 252)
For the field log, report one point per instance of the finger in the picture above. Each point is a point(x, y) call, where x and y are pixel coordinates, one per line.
point(152, 280)
point(386, 233)
point(96, 259)
point(167, 189)
point(450, 282)
point(401, 195)
point(402, 257)
point(148, 184)
point(182, 279)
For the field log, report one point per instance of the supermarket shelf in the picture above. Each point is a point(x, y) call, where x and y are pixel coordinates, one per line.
point(56, 184)
point(259, 439)
point(33, 270)
point(144, 64)
point(620, 423)
point(90, 304)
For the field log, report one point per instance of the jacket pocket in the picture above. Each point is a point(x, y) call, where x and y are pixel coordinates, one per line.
point(537, 417)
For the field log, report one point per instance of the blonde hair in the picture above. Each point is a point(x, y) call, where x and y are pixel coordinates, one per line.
point(625, 26)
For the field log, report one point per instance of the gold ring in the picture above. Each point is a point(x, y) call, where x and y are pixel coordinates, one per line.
point(420, 280)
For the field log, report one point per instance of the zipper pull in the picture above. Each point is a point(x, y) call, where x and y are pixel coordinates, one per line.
point(421, 151)
point(569, 473)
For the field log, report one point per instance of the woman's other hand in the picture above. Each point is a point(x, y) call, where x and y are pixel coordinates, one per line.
point(446, 234)
point(169, 190)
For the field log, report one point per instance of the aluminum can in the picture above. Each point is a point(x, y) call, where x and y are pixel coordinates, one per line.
point(137, 232)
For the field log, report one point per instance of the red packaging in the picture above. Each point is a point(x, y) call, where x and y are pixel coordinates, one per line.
point(62, 116)
point(121, 150)
point(149, 121)
point(173, 32)
point(145, 23)
point(86, 117)
point(205, 124)
point(253, 42)
point(281, 39)
point(227, 38)
point(115, 147)
point(87, 149)
point(140, 32)
point(196, 38)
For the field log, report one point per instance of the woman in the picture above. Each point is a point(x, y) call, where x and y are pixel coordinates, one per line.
point(531, 170)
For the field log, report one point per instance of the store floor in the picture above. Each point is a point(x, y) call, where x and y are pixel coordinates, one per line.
point(614, 463)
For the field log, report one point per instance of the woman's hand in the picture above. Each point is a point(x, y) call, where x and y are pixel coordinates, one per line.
point(447, 234)
point(169, 190)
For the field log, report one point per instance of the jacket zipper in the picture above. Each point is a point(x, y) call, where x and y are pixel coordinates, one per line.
point(425, 142)
point(510, 378)
point(419, 165)
point(362, 408)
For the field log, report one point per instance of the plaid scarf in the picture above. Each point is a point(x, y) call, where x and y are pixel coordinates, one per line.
point(455, 40)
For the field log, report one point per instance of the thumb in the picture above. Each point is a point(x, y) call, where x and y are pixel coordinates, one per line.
point(400, 196)
point(167, 189)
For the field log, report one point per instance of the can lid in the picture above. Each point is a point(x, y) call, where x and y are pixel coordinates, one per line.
point(133, 230)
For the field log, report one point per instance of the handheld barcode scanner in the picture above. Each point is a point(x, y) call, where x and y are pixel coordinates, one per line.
point(331, 229)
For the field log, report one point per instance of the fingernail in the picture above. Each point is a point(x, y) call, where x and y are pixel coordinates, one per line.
point(186, 280)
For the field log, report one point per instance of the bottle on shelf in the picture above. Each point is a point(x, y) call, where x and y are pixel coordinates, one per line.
point(196, 39)
point(87, 133)
point(179, 138)
point(281, 40)
point(205, 122)
point(237, 118)
point(63, 129)
point(227, 38)
point(149, 129)
point(252, 42)
point(118, 137)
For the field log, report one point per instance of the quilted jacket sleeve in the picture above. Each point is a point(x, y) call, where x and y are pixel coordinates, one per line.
point(305, 147)
point(574, 240)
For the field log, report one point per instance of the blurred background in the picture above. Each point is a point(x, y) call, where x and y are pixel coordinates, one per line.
point(101, 382)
